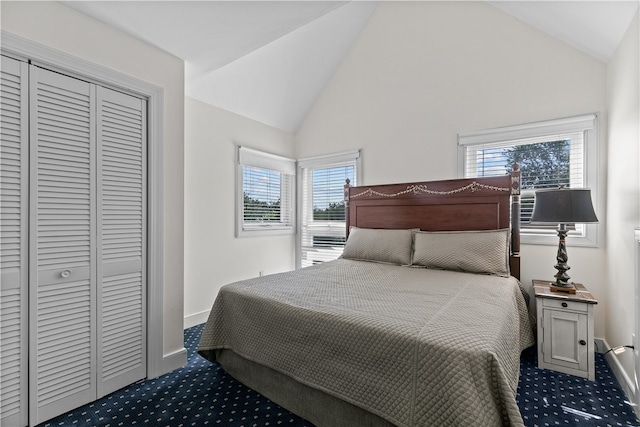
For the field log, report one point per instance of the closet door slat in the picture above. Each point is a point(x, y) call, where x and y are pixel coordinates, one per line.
point(121, 240)
point(62, 244)
point(14, 149)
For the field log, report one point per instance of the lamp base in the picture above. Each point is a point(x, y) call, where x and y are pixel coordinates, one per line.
point(562, 283)
point(567, 289)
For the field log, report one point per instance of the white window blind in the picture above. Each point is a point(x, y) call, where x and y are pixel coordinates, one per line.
point(265, 193)
point(557, 153)
point(322, 210)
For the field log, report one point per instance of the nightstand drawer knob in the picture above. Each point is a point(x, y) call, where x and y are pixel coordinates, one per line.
point(564, 304)
point(583, 342)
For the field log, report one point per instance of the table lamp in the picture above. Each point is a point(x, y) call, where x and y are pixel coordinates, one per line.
point(563, 206)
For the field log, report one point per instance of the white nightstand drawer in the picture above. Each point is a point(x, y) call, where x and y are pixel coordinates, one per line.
point(564, 305)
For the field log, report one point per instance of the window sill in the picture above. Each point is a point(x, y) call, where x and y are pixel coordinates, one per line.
point(266, 231)
point(587, 240)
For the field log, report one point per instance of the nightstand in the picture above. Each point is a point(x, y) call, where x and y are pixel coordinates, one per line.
point(565, 330)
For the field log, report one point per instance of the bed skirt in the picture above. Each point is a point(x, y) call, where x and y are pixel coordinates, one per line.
point(313, 405)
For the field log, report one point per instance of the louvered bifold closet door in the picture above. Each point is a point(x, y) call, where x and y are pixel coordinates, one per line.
point(14, 165)
point(121, 236)
point(62, 244)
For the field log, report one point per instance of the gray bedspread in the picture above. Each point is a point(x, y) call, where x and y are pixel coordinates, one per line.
point(417, 347)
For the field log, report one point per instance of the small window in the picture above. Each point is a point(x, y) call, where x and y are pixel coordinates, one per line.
point(265, 193)
point(552, 154)
point(322, 208)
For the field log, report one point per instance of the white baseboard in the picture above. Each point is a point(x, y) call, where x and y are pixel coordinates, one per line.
point(175, 360)
point(196, 319)
point(625, 382)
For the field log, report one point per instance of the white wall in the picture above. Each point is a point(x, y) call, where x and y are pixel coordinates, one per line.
point(213, 256)
point(59, 27)
point(623, 190)
point(421, 72)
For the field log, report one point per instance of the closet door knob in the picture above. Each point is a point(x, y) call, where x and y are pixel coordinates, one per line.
point(583, 342)
point(65, 274)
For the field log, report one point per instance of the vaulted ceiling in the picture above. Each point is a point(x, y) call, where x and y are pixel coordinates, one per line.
point(270, 60)
point(595, 27)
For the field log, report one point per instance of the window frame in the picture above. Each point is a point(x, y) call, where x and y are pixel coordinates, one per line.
point(323, 162)
point(587, 124)
point(285, 166)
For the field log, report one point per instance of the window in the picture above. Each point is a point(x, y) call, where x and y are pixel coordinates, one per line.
point(322, 209)
point(265, 193)
point(552, 154)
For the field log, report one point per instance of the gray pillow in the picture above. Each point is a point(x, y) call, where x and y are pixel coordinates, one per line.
point(387, 246)
point(484, 252)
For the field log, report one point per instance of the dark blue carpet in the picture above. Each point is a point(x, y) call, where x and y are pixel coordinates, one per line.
point(548, 398)
point(202, 394)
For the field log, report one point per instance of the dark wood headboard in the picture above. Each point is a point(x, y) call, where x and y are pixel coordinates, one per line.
point(488, 203)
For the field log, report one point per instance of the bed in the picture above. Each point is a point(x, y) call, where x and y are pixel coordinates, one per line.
point(421, 322)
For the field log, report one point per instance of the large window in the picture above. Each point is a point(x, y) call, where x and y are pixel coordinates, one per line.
point(552, 154)
point(265, 193)
point(322, 208)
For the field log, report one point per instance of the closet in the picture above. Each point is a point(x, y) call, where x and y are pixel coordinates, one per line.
point(73, 250)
